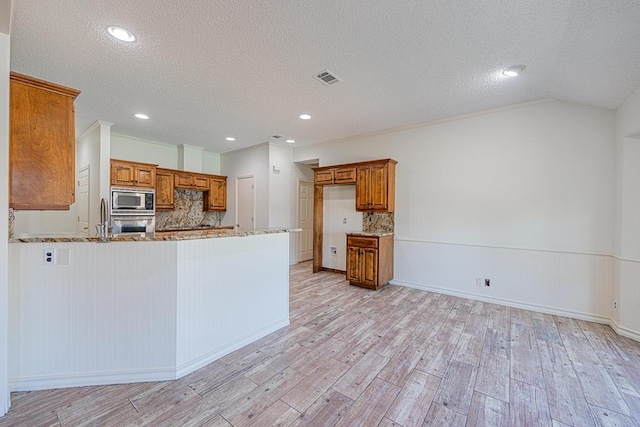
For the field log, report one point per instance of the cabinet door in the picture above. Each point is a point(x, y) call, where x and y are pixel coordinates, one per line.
point(378, 187)
point(363, 185)
point(122, 174)
point(164, 191)
point(345, 176)
point(145, 176)
point(41, 145)
point(200, 182)
point(324, 177)
point(216, 198)
point(183, 180)
point(369, 260)
point(353, 264)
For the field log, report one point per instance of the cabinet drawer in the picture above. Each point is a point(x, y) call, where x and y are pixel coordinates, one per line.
point(362, 242)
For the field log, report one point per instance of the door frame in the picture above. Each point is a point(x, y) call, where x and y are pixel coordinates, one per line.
point(239, 177)
point(310, 181)
point(88, 169)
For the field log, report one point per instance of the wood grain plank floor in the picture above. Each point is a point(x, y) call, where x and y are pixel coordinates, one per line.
point(396, 357)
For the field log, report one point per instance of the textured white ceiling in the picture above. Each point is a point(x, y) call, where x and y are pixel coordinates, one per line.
point(204, 70)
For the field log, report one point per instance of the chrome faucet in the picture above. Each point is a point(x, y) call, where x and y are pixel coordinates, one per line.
point(103, 227)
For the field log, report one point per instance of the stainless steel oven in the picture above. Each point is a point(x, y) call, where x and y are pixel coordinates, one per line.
point(133, 210)
point(132, 201)
point(129, 224)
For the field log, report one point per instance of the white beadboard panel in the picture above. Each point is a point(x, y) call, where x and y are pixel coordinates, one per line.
point(140, 311)
point(570, 284)
point(629, 303)
point(111, 310)
point(229, 291)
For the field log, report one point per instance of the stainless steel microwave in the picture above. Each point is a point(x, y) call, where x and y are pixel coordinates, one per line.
point(132, 201)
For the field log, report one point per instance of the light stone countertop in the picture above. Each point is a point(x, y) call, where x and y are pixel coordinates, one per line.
point(367, 234)
point(160, 236)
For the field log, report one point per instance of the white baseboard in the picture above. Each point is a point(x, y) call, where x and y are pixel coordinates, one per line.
point(510, 303)
point(205, 359)
point(625, 332)
point(620, 330)
point(90, 379)
point(136, 376)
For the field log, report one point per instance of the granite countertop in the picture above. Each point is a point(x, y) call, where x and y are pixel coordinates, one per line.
point(159, 236)
point(369, 234)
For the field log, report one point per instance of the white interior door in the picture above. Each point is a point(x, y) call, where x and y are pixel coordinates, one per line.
point(305, 220)
point(82, 200)
point(245, 203)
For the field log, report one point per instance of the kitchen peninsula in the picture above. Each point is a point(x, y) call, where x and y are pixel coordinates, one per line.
point(140, 308)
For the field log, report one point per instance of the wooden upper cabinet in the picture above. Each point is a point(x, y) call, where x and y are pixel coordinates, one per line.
point(41, 144)
point(343, 175)
point(375, 187)
point(191, 181)
point(216, 198)
point(132, 174)
point(324, 177)
point(165, 190)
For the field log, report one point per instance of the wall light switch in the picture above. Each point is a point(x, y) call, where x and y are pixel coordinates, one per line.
point(334, 251)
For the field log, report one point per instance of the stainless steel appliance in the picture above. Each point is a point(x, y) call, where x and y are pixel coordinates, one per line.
point(132, 201)
point(129, 224)
point(133, 210)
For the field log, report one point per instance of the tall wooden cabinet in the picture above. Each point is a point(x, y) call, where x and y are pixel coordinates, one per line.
point(165, 190)
point(41, 144)
point(369, 260)
point(216, 198)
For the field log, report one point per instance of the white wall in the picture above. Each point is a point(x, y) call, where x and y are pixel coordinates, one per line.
point(164, 155)
point(281, 212)
point(338, 205)
point(627, 249)
point(536, 177)
point(211, 163)
point(92, 149)
point(5, 8)
point(141, 150)
point(250, 161)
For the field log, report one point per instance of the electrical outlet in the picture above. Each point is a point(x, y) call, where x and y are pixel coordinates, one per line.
point(344, 220)
point(49, 257)
point(334, 251)
point(615, 305)
point(479, 281)
point(487, 282)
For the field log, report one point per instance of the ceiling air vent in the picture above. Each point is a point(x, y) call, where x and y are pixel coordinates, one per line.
point(327, 77)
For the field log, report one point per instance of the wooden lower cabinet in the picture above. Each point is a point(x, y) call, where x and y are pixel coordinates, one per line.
point(369, 260)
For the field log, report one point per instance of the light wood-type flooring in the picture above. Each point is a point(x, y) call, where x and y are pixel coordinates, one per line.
point(396, 357)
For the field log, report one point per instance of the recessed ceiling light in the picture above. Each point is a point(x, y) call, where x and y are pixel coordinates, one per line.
point(142, 116)
point(305, 116)
point(121, 33)
point(230, 138)
point(513, 71)
point(291, 141)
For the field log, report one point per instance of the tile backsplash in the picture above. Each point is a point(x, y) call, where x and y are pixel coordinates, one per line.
point(188, 212)
point(12, 220)
point(377, 222)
